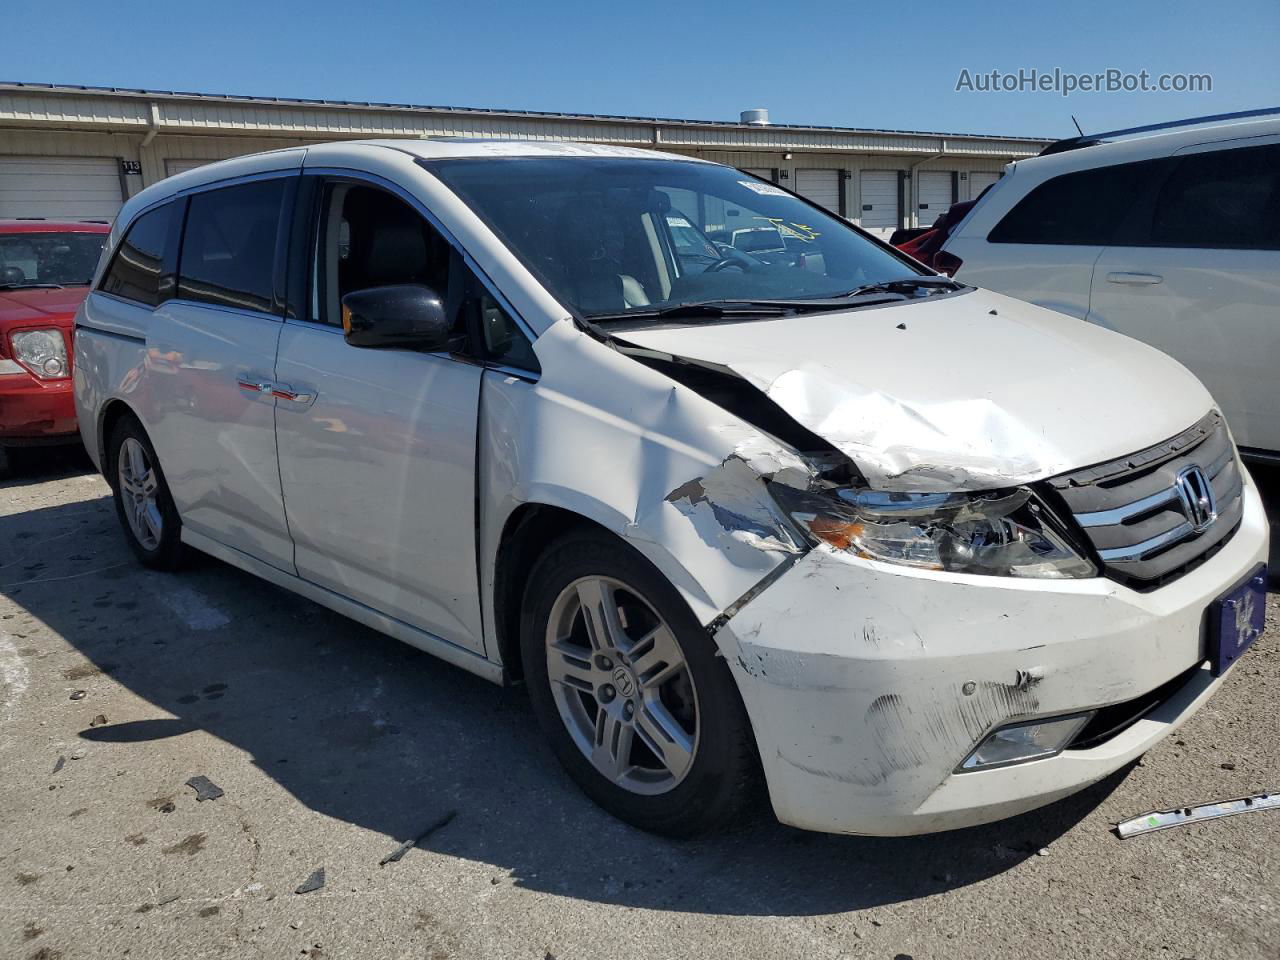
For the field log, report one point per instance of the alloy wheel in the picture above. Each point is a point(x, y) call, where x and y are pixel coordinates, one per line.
point(139, 486)
point(621, 685)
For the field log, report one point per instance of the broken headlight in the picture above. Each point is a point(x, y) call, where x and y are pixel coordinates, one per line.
point(1000, 533)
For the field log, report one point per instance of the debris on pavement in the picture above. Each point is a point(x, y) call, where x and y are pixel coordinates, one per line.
point(408, 845)
point(313, 882)
point(205, 788)
point(99, 720)
point(78, 694)
point(79, 753)
point(62, 762)
point(1164, 819)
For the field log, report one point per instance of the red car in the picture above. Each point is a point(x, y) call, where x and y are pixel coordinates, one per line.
point(927, 247)
point(45, 269)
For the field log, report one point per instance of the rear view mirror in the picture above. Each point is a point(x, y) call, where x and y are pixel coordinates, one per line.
point(404, 315)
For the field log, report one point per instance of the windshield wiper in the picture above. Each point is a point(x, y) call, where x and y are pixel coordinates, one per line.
point(720, 309)
point(30, 286)
point(907, 283)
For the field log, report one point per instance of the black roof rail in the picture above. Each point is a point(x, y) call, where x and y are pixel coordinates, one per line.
point(1091, 139)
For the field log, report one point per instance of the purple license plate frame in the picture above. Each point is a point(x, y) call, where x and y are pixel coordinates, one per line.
point(1236, 619)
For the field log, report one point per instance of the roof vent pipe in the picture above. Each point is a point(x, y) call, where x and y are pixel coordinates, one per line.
point(758, 117)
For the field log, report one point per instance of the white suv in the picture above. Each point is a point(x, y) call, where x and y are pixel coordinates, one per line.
point(1170, 234)
point(920, 554)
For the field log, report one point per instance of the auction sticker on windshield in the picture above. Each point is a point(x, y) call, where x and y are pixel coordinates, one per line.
point(764, 189)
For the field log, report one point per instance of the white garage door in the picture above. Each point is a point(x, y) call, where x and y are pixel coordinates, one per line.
point(820, 186)
point(765, 173)
point(935, 196)
point(879, 209)
point(172, 166)
point(979, 182)
point(65, 188)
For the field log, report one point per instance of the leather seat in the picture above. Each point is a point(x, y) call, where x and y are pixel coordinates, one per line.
point(590, 241)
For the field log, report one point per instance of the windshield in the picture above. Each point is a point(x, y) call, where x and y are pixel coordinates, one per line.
point(44, 259)
point(610, 235)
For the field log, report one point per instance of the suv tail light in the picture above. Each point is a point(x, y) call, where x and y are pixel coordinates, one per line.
point(947, 263)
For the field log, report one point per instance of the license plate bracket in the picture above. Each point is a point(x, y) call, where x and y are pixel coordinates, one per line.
point(1236, 620)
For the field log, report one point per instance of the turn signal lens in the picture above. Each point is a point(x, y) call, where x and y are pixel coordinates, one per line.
point(43, 352)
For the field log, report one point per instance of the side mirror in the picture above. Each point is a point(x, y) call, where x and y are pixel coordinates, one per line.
point(404, 315)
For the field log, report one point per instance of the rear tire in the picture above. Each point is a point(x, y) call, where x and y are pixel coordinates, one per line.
point(6, 464)
point(143, 502)
point(642, 713)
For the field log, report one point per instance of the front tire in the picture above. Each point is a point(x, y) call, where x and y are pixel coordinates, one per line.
point(630, 692)
point(143, 502)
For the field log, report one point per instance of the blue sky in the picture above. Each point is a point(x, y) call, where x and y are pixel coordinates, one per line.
point(808, 61)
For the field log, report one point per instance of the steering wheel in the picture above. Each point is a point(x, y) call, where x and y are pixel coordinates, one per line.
point(725, 264)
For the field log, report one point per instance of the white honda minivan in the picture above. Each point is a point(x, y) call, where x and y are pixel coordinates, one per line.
point(909, 554)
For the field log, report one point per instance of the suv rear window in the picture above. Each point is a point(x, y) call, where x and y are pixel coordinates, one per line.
point(229, 245)
point(137, 270)
point(1084, 207)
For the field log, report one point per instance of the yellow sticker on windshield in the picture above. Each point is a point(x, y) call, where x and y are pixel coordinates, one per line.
point(799, 231)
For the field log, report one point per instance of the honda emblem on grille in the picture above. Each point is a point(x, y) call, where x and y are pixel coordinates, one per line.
point(1196, 495)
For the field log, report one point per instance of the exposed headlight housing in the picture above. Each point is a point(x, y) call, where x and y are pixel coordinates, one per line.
point(1004, 533)
point(43, 352)
point(1021, 742)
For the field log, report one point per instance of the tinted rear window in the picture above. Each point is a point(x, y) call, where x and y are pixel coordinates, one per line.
point(1225, 199)
point(137, 270)
point(229, 245)
point(1076, 208)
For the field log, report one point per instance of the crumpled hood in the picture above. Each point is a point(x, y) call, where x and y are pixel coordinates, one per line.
point(966, 392)
point(35, 304)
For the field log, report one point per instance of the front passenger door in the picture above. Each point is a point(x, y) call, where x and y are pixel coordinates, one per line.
point(377, 446)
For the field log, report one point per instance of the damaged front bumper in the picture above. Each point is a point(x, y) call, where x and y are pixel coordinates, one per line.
point(868, 683)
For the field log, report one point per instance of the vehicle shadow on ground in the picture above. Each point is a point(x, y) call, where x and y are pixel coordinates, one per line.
point(41, 464)
point(371, 732)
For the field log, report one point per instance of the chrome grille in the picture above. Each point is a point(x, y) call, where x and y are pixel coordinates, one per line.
point(1137, 514)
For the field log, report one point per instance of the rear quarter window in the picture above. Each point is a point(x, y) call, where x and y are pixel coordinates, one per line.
point(137, 270)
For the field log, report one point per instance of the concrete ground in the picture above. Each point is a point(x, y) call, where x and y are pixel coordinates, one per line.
point(333, 745)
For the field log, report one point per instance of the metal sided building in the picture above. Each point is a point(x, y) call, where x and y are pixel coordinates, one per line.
point(79, 152)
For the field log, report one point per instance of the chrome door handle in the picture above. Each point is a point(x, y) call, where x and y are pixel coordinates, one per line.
point(1135, 279)
point(282, 392)
point(254, 385)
